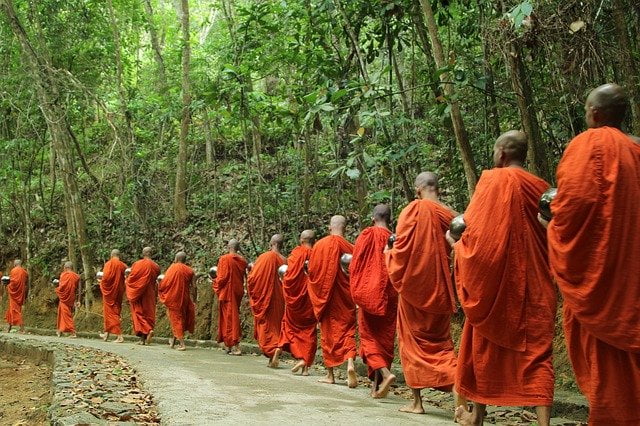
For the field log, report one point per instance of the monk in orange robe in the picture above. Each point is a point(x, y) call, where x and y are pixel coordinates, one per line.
point(418, 265)
point(141, 293)
point(229, 287)
point(67, 296)
point(505, 289)
point(17, 290)
point(175, 292)
point(372, 291)
point(112, 288)
point(267, 301)
point(298, 335)
point(593, 249)
point(333, 306)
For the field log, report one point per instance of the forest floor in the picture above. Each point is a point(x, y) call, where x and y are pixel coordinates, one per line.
point(203, 386)
point(25, 392)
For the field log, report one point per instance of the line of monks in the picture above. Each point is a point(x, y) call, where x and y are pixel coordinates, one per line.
point(508, 266)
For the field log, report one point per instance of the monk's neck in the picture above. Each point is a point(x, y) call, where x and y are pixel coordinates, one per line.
point(307, 245)
point(430, 197)
point(381, 225)
point(277, 251)
point(337, 234)
point(515, 165)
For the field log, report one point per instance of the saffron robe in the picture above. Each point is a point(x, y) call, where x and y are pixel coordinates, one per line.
point(66, 292)
point(593, 250)
point(374, 294)
point(174, 292)
point(112, 288)
point(267, 301)
point(229, 287)
point(17, 291)
point(419, 270)
point(505, 289)
point(330, 297)
point(298, 335)
point(141, 293)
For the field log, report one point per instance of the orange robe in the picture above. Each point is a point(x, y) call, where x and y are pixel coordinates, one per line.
point(267, 301)
point(174, 292)
point(419, 269)
point(112, 288)
point(141, 293)
point(331, 300)
point(506, 292)
point(17, 290)
point(229, 287)
point(593, 249)
point(299, 326)
point(372, 291)
point(66, 292)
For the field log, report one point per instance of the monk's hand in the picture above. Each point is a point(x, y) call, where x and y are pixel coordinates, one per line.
point(543, 221)
point(449, 238)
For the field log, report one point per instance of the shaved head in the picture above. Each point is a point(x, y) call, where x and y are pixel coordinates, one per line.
point(382, 213)
point(115, 253)
point(426, 180)
point(510, 147)
point(181, 257)
point(607, 105)
point(307, 237)
point(147, 251)
point(17, 262)
point(276, 241)
point(233, 245)
point(337, 225)
point(68, 265)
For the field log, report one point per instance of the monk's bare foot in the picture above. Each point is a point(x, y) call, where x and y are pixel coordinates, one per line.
point(329, 380)
point(352, 377)
point(412, 408)
point(147, 340)
point(104, 336)
point(305, 371)
point(119, 339)
point(73, 336)
point(181, 347)
point(235, 351)
point(464, 417)
point(172, 342)
point(58, 334)
point(275, 359)
point(300, 364)
point(383, 390)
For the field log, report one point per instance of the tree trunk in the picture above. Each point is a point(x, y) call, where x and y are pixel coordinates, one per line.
point(456, 116)
point(180, 196)
point(536, 155)
point(53, 109)
point(627, 61)
point(155, 45)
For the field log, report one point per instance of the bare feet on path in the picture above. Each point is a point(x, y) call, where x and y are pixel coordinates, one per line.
point(172, 342)
point(299, 365)
point(352, 377)
point(149, 337)
point(464, 417)
point(119, 339)
point(104, 336)
point(385, 386)
point(275, 359)
point(412, 408)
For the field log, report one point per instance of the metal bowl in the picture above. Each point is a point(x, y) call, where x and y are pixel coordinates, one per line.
point(249, 267)
point(5, 280)
point(55, 282)
point(160, 278)
point(544, 205)
point(99, 275)
point(127, 272)
point(213, 272)
point(282, 270)
point(345, 261)
point(457, 227)
point(391, 240)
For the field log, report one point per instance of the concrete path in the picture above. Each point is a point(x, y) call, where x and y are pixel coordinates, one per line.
point(207, 386)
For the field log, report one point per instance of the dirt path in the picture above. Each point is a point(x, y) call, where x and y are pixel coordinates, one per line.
point(24, 392)
point(205, 386)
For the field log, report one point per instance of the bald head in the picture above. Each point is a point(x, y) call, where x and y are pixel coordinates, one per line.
point(510, 148)
point(307, 237)
point(607, 105)
point(233, 245)
point(337, 225)
point(276, 242)
point(68, 266)
point(17, 262)
point(381, 214)
point(147, 252)
point(426, 185)
point(181, 257)
point(115, 253)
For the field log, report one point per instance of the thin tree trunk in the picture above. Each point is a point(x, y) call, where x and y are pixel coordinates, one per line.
point(627, 61)
point(155, 45)
point(208, 147)
point(180, 196)
point(456, 116)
